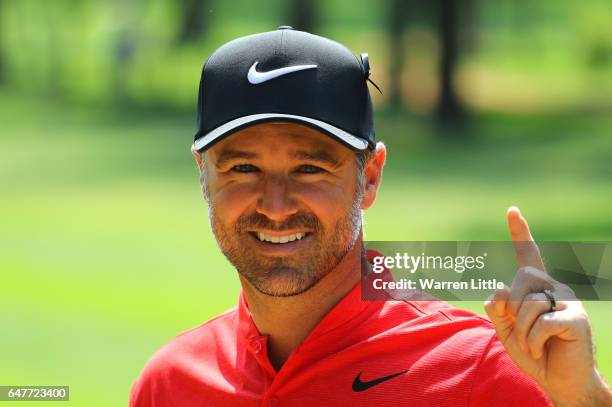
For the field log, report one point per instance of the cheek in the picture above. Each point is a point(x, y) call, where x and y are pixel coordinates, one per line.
point(231, 202)
point(328, 202)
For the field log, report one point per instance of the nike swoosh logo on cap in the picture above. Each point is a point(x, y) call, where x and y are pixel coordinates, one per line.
point(255, 77)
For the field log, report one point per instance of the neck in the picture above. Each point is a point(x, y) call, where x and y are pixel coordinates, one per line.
point(288, 320)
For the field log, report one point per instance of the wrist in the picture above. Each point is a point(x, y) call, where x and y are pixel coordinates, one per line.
point(602, 394)
point(596, 393)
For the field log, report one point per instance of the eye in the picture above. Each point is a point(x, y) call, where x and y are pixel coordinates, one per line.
point(310, 169)
point(244, 168)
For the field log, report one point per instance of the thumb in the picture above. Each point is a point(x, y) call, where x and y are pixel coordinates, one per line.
point(496, 308)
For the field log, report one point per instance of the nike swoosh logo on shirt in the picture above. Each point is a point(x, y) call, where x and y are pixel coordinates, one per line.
point(358, 385)
point(256, 77)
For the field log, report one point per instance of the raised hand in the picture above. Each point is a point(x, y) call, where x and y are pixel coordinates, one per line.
point(553, 345)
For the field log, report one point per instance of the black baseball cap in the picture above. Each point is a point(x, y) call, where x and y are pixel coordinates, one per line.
point(289, 76)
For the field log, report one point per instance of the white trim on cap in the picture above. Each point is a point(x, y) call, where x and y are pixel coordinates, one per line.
point(231, 125)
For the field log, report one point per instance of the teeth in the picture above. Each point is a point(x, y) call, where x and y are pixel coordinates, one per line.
point(280, 239)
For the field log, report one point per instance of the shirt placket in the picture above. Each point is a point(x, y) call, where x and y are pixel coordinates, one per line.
point(258, 347)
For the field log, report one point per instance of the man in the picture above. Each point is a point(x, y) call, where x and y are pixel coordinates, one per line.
point(288, 161)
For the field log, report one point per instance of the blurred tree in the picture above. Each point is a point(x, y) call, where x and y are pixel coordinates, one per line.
point(303, 14)
point(1, 54)
point(449, 109)
point(398, 12)
point(599, 53)
point(193, 19)
point(52, 13)
point(468, 36)
point(123, 53)
point(124, 48)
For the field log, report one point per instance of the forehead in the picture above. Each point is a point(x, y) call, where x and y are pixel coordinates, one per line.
point(279, 138)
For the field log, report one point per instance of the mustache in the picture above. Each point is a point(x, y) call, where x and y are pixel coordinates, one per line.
point(261, 221)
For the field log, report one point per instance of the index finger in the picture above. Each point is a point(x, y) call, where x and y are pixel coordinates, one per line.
point(526, 250)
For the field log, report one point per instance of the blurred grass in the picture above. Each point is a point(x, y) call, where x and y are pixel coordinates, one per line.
point(106, 252)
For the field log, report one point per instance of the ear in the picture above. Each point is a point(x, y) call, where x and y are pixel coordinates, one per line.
point(198, 157)
point(373, 175)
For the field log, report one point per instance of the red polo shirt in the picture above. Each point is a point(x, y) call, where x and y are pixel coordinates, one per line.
point(362, 353)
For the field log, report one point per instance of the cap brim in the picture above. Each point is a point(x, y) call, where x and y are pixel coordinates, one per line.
point(232, 126)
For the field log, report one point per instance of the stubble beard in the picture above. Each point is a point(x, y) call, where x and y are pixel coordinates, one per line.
point(290, 275)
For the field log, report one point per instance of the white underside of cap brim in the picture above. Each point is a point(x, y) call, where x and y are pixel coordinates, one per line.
point(348, 138)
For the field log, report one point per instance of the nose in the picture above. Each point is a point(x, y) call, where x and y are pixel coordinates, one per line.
point(275, 201)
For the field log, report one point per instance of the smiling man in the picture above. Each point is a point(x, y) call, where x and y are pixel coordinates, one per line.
point(288, 161)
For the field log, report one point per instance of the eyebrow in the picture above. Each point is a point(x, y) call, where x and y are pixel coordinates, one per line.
point(321, 156)
point(230, 155)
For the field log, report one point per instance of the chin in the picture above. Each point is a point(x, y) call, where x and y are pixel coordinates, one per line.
point(283, 282)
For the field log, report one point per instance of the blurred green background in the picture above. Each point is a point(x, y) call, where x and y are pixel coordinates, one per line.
point(105, 247)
